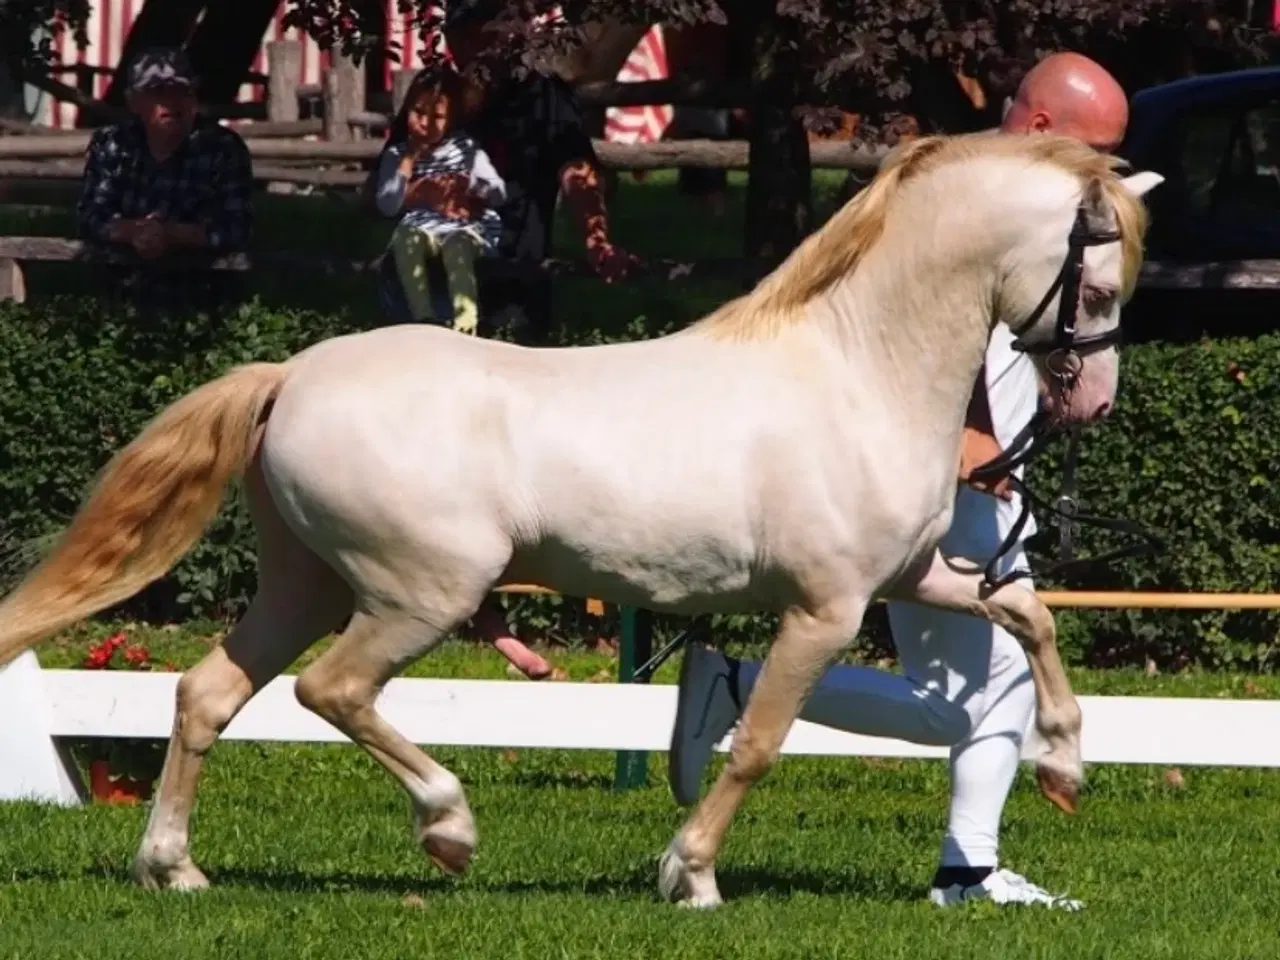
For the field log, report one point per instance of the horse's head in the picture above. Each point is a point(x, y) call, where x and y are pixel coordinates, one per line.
point(1063, 292)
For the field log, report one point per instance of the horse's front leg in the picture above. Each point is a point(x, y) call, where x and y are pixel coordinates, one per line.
point(952, 584)
point(806, 645)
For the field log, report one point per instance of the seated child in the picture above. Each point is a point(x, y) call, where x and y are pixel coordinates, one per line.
point(444, 188)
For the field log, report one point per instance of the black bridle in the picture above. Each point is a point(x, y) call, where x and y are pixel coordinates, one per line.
point(1063, 361)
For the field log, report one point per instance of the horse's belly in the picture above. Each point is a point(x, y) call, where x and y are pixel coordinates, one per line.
point(661, 564)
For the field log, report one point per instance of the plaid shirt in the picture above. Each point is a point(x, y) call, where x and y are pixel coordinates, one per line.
point(209, 180)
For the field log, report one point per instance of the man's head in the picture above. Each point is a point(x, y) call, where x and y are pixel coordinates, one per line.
point(1069, 94)
point(162, 91)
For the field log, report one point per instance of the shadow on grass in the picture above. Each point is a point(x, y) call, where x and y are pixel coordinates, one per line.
point(640, 880)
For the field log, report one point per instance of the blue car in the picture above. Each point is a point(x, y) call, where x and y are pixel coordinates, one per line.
point(1216, 139)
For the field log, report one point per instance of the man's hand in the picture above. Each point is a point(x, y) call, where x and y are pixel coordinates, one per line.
point(149, 237)
point(609, 261)
point(123, 230)
point(976, 449)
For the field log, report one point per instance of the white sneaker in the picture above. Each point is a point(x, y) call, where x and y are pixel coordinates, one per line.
point(1002, 886)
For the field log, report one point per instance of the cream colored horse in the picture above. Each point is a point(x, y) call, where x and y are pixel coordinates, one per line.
point(795, 451)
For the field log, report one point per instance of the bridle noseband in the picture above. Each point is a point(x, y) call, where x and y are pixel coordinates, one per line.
point(1063, 361)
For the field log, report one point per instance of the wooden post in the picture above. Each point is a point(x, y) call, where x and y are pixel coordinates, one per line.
point(13, 286)
point(343, 97)
point(400, 81)
point(284, 73)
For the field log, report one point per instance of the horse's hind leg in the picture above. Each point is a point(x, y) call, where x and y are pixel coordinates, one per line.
point(1059, 772)
point(806, 645)
point(342, 686)
point(299, 600)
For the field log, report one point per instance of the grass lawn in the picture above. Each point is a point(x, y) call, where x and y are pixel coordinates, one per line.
point(310, 853)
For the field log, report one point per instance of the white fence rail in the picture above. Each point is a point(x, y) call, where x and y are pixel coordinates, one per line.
point(41, 706)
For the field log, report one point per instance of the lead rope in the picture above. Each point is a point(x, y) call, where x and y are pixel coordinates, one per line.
point(1064, 506)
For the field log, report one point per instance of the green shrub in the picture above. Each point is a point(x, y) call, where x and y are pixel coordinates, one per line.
point(77, 381)
point(1191, 450)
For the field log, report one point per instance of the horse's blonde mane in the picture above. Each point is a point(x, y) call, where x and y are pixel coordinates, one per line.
point(836, 249)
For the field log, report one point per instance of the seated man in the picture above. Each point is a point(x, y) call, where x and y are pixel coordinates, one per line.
point(167, 180)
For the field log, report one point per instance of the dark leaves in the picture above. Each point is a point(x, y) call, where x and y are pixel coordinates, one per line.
point(867, 56)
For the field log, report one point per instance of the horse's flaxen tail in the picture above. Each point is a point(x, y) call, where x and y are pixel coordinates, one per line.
point(151, 503)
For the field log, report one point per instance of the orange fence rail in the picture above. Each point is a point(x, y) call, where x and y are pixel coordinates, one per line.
point(1069, 599)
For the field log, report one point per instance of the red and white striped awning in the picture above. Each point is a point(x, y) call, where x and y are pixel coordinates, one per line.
point(110, 22)
point(648, 61)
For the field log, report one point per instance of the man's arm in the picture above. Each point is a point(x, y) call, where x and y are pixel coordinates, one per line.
point(979, 444)
point(580, 181)
point(229, 222)
point(98, 209)
point(582, 185)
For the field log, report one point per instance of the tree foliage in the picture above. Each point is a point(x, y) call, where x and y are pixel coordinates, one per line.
point(874, 56)
point(879, 58)
point(28, 28)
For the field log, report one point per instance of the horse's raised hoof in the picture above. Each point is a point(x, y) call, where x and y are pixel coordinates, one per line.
point(185, 877)
point(449, 854)
point(449, 841)
point(678, 884)
point(1061, 790)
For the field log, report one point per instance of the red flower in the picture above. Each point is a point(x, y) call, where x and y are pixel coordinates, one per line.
point(99, 656)
point(138, 656)
point(115, 640)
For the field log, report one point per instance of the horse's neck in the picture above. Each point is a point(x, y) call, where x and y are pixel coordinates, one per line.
point(914, 330)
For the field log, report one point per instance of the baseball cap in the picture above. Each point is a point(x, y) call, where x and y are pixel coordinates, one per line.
point(161, 67)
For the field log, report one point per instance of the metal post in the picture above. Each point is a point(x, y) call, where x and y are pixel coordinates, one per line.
point(636, 648)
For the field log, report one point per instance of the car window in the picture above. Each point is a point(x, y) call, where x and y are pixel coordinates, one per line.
point(1229, 160)
point(1204, 140)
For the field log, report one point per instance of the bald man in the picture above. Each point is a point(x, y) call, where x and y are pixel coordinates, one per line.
point(965, 684)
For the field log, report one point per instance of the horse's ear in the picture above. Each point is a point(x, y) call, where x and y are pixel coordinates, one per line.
point(1139, 184)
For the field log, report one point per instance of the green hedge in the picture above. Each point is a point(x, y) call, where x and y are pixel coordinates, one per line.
point(1192, 450)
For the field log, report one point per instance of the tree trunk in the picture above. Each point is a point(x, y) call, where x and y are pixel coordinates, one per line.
point(224, 45)
point(779, 195)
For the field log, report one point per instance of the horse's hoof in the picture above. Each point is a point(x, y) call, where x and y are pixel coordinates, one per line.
point(185, 877)
point(678, 884)
point(1061, 790)
point(448, 854)
point(449, 837)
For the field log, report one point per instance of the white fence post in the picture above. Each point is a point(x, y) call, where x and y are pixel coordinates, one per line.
point(33, 765)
